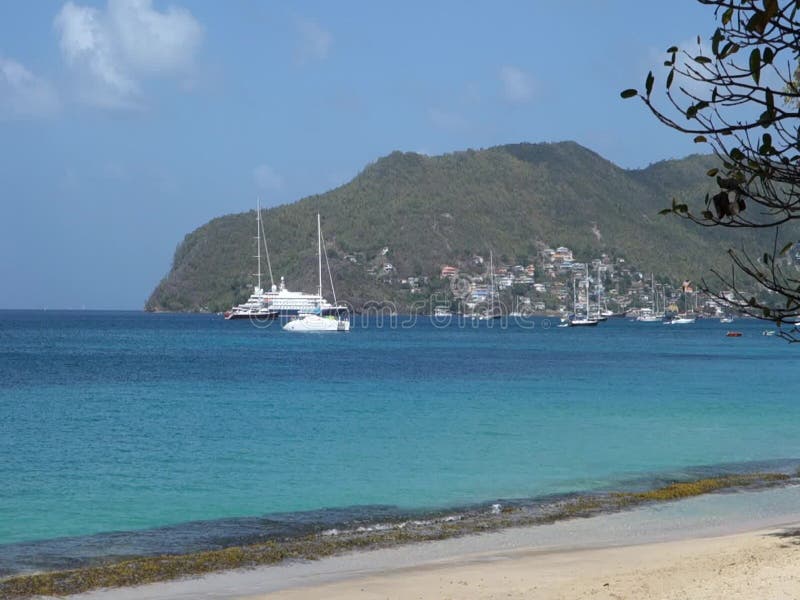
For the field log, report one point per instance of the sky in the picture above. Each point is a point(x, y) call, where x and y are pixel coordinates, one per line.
point(126, 124)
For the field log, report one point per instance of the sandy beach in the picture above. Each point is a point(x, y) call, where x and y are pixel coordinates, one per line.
point(739, 545)
point(762, 564)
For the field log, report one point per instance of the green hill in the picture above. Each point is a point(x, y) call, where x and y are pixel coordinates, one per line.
point(430, 211)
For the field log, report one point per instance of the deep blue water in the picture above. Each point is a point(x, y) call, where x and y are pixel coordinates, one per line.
point(120, 421)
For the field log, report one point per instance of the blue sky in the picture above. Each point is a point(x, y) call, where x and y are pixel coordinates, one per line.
point(127, 124)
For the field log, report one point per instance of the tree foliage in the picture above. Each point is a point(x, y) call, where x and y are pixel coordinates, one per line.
point(738, 92)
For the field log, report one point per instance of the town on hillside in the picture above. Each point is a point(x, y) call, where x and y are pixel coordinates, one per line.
point(554, 282)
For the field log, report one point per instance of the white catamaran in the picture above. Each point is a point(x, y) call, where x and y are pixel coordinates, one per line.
point(318, 321)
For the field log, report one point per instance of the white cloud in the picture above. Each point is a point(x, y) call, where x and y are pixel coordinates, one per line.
point(112, 50)
point(23, 94)
point(266, 178)
point(518, 86)
point(314, 43)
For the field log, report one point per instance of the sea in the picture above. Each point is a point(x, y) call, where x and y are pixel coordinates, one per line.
point(127, 433)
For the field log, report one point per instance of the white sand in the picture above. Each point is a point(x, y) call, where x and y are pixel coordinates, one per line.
point(716, 546)
point(747, 566)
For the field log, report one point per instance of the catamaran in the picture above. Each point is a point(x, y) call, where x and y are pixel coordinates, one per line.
point(318, 321)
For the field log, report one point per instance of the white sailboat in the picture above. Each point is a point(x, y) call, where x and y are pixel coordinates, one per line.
point(687, 317)
point(651, 315)
point(491, 314)
point(318, 321)
point(257, 305)
point(583, 320)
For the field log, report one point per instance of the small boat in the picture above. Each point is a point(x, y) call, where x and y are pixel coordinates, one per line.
point(734, 334)
point(680, 320)
point(583, 322)
point(726, 319)
point(768, 332)
point(319, 321)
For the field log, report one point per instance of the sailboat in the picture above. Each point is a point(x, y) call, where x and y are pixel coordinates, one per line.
point(651, 315)
point(318, 321)
point(582, 320)
point(257, 305)
point(685, 318)
point(491, 314)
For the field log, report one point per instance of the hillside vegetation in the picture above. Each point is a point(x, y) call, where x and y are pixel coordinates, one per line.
point(431, 211)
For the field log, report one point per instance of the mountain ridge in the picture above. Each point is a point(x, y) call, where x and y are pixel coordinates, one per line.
point(428, 211)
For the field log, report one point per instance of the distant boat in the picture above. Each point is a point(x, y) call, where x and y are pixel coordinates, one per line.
point(680, 320)
point(312, 322)
point(727, 319)
point(256, 306)
point(651, 315)
point(584, 320)
point(442, 312)
point(318, 321)
point(734, 334)
point(686, 318)
point(491, 314)
point(278, 301)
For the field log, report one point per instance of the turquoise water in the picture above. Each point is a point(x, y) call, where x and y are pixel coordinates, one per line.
point(113, 421)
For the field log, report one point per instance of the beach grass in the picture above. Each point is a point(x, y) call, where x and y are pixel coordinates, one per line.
point(141, 570)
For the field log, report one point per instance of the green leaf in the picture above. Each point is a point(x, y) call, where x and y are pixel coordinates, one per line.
point(672, 49)
point(707, 215)
point(665, 211)
point(703, 60)
point(726, 16)
point(755, 64)
point(699, 139)
point(669, 77)
point(712, 172)
point(648, 85)
point(786, 248)
point(768, 56)
point(629, 93)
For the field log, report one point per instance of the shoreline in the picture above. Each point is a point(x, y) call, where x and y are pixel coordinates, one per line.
point(645, 549)
point(510, 528)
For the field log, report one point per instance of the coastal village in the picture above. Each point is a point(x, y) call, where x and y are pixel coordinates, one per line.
point(553, 282)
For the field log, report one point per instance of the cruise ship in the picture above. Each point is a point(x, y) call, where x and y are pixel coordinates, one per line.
point(279, 301)
point(290, 304)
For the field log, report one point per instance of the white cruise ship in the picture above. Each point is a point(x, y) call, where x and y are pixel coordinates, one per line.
point(279, 301)
point(290, 304)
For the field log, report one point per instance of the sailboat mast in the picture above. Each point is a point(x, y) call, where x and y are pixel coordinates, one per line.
point(319, 254)
point(653, 290)
point(587, 291)
point(491, 269)
point(258, 240)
